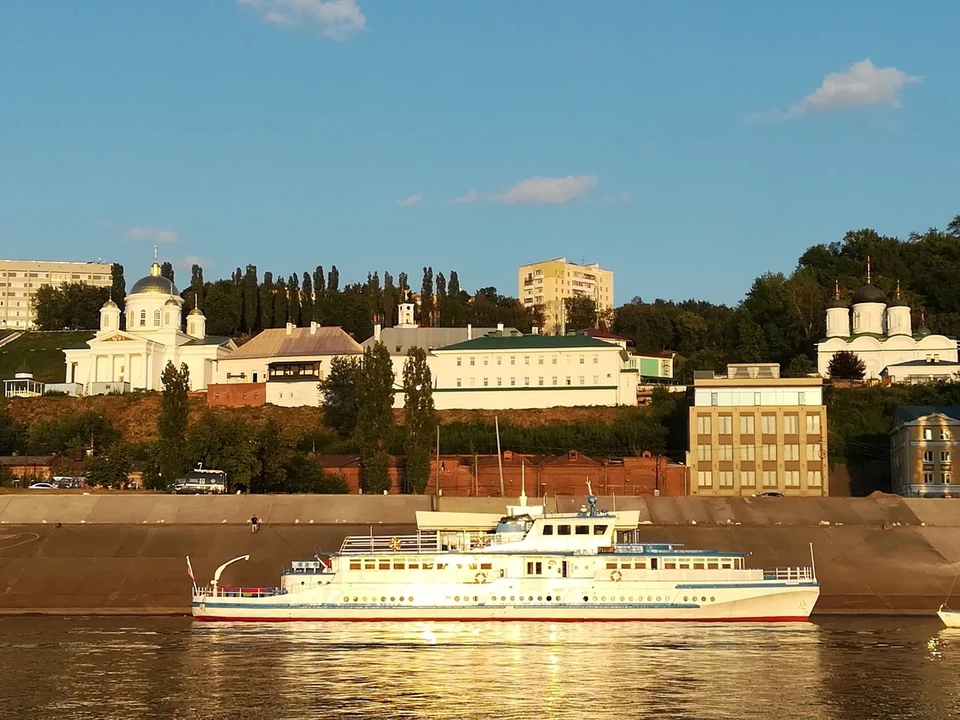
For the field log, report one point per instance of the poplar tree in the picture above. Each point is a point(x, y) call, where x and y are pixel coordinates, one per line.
point(172, 423)
point(420, 418)
point(375, 417)
point(426, 298)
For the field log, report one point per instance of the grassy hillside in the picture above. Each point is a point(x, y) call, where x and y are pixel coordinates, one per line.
point(40, 352)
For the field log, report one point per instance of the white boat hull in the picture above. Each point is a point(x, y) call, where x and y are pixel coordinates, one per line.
point(950, 618)
point(762, 602)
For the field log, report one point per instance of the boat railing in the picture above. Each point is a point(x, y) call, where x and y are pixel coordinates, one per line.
point(789, 573)
point(236, 592)
point(363, 544)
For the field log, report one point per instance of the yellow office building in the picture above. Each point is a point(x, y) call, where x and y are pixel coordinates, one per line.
point(546, 284)
point(20, 280)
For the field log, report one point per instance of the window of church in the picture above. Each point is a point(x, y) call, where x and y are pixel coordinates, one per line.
point(193, 329)
point(143, 318)
point(166, 318)
point(156, 318)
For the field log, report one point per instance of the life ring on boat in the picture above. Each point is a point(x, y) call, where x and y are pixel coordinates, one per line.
point(616, 576)
point(395, 544)
point(481, 578)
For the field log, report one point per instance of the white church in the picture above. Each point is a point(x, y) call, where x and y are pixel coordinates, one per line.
point(882, 336)
point(134, 358)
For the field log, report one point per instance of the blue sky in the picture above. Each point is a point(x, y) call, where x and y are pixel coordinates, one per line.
point(687, 146)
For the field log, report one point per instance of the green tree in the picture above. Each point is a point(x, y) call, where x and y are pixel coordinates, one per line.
point(74, 306)
point(307, 303)
point(375, 417)
point(71, 433)
point(296, 312)
point(222, 308)
point(172, 423)
point(268, 307)
point(12, 433)
point(223, 441)
point(846, 365)
point(110, 468)
point(426, 298)
point(420, 418)
point(305, 476)
point(196, 285)
point(800, 366)
point(580, 313)
point(166, 270)
point(268, 449)
point(339, 391)
point(118, 286)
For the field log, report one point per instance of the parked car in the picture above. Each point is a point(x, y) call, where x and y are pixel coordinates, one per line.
point(63, 482)
point(771, 494)
point(43, 486)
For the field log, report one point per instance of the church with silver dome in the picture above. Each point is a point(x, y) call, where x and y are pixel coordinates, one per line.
point(882, 336)
point(155, 333)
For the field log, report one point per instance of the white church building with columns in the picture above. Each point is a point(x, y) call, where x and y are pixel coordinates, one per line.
point(134, 358)
point(882, 336)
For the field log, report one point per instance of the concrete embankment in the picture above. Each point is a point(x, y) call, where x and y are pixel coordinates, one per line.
point(103, 554)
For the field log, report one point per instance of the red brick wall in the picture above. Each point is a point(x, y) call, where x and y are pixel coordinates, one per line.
point(237, 394)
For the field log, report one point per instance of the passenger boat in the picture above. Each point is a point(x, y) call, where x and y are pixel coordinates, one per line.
point(950, 618)
point(527, 565)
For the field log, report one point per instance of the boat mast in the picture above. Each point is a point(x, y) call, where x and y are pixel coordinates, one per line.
point(496, 424)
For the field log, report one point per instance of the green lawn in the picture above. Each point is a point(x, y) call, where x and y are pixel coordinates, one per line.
point(40, 352)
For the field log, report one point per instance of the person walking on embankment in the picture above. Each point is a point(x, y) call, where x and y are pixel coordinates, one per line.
point(254, 525)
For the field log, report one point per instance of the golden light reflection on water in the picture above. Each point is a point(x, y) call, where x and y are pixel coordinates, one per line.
point(147, 668)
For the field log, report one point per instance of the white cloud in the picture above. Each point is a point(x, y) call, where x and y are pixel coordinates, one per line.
point(548, 190)
point(469, 197)
point(860, 84)
point(189, 261)
point(334, 18)
point(412, 200)
point(151, 234)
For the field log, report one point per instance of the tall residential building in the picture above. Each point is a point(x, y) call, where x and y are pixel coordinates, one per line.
point(753, 432)
point(924, 440)
point(20, 280)
point(547, 284)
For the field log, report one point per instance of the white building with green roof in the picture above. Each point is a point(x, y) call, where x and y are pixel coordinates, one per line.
point(506, 371)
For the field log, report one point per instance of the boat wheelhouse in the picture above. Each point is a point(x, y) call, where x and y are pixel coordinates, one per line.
point(526, 565)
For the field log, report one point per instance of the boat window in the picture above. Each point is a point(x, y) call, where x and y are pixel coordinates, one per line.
point(354, 564)
point(698, 565)
point(473, 566)
point(713, 565)
point(441, 566)
point(548, 529)
point(583, 530)
point(725, 563)
point(599, 529)
point(563, 529)
point(369, 564)
point(413, 566)
point(399, 565)
point(612, 566)
point(640, 565)
point(534, 568)
point(684, 565)
point(486, 566)
point(384, 564)
point(669, 565)
point(428, 566)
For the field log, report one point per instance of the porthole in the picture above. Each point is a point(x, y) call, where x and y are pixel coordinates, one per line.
point(476, 599)
point(703, 599)
point(604, 598)
point(686, 598)
point(549, 598)
point(354, 599)
point(456, 598)
point(586, 598)
point(302, 582)
point(393, 599)
point(712, 598)
point(364, 599)
point(631, 598)
point(503, 598)
point(383, 599)
point(622, 598)
point(346, 599)
point(594, 598)
point(649, 598)
point(511, 598)
point(410, 599)
point(539, 598)
point(658, 598)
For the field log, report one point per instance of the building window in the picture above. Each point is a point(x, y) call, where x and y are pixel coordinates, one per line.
point(472, 362)
point(526, 381)
point(193, 329)
point(582, 359)
point(499, 360)
point(756, 398)
point(499, 381)
point(486, 360)
point(725, 425)
point(747, 452)
point(156, 318)
point(569, 380)
point(791, 452)
point(726, 478)
point(513, 360)
point(769, 452)
point(813, 452)
point(166, 318)
point(927, 434)
point(540, 381)
point(801, 398)
point(813, 424)
point(580, 380)
point(768, 424)
point(945, 477)
point(526, 359)
point(130, 319)
point(554, 359)
point(724, 452)
point(791, 424)
point(540, 360)
point(459, 382)
point(472, 382)
point(769, 478)
point(748, 478)
point(944, 456)
point(928, 456)
point(928, 477)
point(814, 478)
point(704, 478)
point(944, 434)
point(596, 359)
point(143, 318)
point(486, 382)
point(703, 424)
point(554, 379)
point(714, 399)
point(791, 478)
point(459, 361)
point(596, 380)
point(746, 424)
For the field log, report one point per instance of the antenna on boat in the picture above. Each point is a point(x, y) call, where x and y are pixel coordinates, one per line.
point(813, 564)
point(591, 500)
point(523, 485)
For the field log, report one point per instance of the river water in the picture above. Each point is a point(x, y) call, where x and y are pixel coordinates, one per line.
point(175, 668)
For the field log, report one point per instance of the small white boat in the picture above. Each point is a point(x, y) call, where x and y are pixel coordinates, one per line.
point(951, 618)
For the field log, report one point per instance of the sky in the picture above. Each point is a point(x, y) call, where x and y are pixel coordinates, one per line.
point(687, 146)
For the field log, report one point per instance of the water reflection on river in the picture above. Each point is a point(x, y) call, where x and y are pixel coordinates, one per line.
point(152, 667)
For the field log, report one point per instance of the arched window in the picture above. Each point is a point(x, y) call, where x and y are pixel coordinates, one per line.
point(106, 321)
point(193, 329)
point(156, 318)
point(166, 318)
point(143, 318)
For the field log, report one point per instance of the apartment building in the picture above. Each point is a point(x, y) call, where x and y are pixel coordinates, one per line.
point(753, 432)
point(20, 280)
point(924, 439)
point(547, 284)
